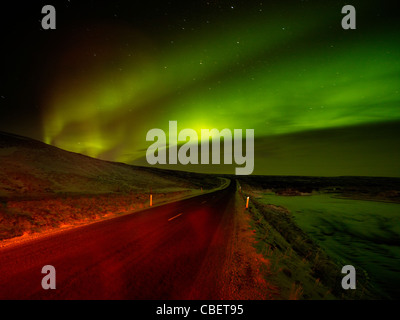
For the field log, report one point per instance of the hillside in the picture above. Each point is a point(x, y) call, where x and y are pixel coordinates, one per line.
point(43, 187)
point(30, 168)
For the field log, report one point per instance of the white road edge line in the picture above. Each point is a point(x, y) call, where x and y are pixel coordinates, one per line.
point(175, 217)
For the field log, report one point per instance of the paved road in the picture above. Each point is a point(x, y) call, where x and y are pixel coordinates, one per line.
point(175, 251)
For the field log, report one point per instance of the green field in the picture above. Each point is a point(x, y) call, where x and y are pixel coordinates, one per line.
point(365, 234)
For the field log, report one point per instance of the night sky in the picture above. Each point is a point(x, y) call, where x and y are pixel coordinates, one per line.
point(322, 100)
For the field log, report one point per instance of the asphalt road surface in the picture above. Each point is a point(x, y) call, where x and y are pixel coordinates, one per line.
point(174, 251)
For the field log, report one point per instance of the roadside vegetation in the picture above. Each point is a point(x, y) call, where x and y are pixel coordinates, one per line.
point(19, 217)
point(293, 261)
point(44, 188)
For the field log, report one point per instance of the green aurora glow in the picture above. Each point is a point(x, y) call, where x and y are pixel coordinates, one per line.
point(284, 73)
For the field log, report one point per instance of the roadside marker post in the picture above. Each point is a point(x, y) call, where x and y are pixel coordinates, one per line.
point(247, 202)
point(151, 200)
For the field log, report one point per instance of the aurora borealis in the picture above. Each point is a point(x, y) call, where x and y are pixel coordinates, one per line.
point(315, 94)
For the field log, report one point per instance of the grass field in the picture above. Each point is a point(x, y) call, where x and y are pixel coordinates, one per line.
point(365, 234)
